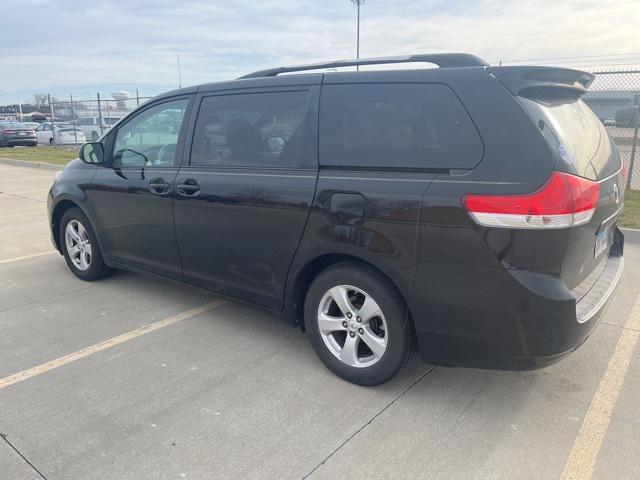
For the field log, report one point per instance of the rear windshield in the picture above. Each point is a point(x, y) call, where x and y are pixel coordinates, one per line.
point(11, 125)
point(576, 125)
point(574, 132)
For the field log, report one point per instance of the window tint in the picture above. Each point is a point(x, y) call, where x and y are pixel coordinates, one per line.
point(150, 138)
point(574, 128)
point(396, 126)
point(250, 130)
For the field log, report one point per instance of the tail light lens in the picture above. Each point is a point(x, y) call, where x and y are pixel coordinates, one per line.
point(563, 201)
point(8, 132)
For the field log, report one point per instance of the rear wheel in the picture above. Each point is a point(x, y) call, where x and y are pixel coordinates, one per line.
point(80, 247)
point(358, 325)
point(51, 142)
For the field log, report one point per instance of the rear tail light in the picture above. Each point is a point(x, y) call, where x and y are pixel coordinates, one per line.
point(563, 201)
point(8, 132)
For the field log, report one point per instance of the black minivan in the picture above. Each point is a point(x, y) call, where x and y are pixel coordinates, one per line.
point(467, 211)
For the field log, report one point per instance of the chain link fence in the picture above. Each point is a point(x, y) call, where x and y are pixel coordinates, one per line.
point(79, 121)
point(614, 97)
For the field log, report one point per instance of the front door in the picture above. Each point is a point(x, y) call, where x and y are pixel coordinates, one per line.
point(243, 201)
point(132, 197)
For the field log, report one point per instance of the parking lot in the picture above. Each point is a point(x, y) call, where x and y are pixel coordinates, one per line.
point(136, 377)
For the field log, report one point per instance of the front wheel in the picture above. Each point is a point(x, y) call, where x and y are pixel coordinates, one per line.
point(80, 247)
point(358, 325)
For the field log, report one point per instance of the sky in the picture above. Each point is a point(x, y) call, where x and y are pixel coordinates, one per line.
point(82, 46)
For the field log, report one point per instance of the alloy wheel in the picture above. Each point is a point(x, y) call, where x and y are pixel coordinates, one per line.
point(78, 245)
point(352, 326)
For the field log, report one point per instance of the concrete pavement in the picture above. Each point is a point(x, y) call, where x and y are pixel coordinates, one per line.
point(233, 393)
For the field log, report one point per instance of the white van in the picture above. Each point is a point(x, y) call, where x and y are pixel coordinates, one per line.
point(91, 126)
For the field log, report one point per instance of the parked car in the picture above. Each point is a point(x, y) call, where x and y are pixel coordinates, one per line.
point(65, 134)
point(14, 134)
point(91, 126)
point(609, 122)
point(461, 210)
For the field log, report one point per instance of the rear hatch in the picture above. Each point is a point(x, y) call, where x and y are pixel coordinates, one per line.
point(583, 149)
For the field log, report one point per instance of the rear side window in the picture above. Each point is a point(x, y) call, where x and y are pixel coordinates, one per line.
point(396, 125)
point(264, 130)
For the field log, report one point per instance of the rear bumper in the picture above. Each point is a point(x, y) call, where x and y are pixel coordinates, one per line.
point(508, 319)
point(19, 142)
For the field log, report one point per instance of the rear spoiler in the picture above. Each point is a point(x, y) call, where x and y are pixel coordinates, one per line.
point(519, 80)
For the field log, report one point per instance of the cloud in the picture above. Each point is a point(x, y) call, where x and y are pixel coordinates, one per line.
point(80, 45)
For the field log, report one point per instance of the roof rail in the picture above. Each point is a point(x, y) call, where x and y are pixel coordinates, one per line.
point(443, 60)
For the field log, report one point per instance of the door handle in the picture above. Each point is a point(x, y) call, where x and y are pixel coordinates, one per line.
point(189, 188)
point(159, 186)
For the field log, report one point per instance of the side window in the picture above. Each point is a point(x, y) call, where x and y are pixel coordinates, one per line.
point(151, 137)
point(251, 130)
point(396, 126)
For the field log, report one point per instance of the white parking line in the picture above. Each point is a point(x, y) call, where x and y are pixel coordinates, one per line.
point(584, 454)
point(26, 257)
point(72, 357)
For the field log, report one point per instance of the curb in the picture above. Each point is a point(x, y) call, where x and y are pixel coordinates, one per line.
point(25, 163)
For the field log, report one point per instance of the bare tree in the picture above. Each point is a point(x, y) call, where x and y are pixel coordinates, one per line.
point(40, 100)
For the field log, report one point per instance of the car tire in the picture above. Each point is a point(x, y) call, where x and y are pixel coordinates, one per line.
point(80, 247)
point(51, 142)
point(370, 342)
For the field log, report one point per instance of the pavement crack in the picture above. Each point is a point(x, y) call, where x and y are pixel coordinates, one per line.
point(33, 467)
point(351, 437)
point(621, 327)
point(21, 197)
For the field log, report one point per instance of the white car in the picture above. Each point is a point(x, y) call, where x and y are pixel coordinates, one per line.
point(65, 134)
point(91, 126)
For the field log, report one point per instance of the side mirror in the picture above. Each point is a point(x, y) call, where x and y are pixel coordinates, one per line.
point(92, 153)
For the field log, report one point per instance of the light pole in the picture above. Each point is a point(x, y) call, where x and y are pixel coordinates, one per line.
point(358, 3)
